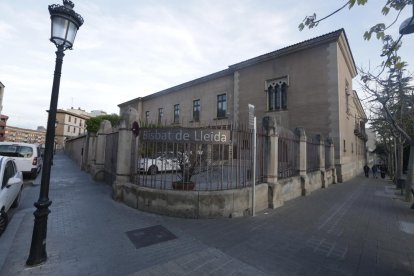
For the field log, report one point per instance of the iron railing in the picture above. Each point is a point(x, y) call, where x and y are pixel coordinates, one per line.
point(195, 163)
point(312, 154)
point(288, 155)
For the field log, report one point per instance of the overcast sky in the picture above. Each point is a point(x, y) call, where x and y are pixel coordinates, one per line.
point(132, 48)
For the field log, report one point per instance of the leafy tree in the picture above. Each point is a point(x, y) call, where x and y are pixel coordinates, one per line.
point(92, 124)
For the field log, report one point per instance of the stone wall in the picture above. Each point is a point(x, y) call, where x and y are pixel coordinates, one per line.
point(194, 204)
point(75, 148)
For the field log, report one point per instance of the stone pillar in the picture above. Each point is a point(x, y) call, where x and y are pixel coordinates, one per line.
point(322, 169)
point(124, 160)
point(302, 161)
point(275, 198)
point(91, 155)
point(332, 158)
point(98, 170)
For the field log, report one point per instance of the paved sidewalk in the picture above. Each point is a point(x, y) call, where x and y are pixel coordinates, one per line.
point(361, 227)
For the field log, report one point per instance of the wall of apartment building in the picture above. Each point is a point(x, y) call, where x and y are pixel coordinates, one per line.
point(23, 135)
point(68, 125)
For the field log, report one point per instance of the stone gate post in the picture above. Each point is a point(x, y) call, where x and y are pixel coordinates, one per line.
point(302, 161)
point(332, 156)
point(272, 157)
point(98, 168)
point(124, 159)
point(321, 152)
point(89, 152)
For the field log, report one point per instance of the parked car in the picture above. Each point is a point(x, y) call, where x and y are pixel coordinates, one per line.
point(11, 188)
point(28, 157)
point(159, 163)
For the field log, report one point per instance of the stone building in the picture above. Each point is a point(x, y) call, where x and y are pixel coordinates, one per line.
point(3, 126)
point(69, 123)
point(308, 85)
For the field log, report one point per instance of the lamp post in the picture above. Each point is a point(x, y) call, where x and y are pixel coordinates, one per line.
point(407, 27)
point(65, 24)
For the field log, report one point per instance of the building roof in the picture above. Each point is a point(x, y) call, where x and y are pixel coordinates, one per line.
point(307, 44)
point(73, 114)
point(24, 129)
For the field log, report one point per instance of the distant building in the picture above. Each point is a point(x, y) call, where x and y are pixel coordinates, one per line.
point(96, 113)
point(24, 135)
point(1, 96)
point(3, 124)
point(69, 123)
point(79, 111)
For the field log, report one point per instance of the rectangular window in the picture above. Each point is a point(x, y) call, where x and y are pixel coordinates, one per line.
point(221, 106)
point(176, 113)
point(160, 115)
point(347, 94)
point(147, 113)
point(70, 118)
point(68, 128)
point(344, 146)
point(76, 119)
point(196, 110)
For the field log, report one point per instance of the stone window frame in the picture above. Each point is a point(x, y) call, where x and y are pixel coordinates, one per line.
point(176, 114)
point(147, 114)
point(196, 110)
point(222, 106)
point(277, 93)
point(347, 96)
point(160, 115)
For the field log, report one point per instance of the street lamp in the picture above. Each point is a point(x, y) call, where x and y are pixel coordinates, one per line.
point(65, 24)
point(407, 27)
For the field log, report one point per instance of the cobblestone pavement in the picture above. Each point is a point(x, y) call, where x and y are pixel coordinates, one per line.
point(361, 227)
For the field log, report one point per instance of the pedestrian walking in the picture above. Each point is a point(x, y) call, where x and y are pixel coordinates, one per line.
point(366, 170)
point(374, 171)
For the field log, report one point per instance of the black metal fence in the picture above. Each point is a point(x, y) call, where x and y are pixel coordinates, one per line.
point(312, 154)
point(288, 154)
point(205, 159)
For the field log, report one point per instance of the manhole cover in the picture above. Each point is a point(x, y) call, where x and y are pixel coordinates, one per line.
point(148, 236)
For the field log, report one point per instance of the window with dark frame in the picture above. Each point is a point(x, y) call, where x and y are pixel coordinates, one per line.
point(160, 115)
point(176, 113)
point(196, 110)
point(221, 106)
point(347, 95)
point(147, 113)
point(277, 94)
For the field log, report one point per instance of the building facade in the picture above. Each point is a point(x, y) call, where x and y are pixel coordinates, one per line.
point(69, 123)
point(308, 85)
point(3, 125)
point(24, 135)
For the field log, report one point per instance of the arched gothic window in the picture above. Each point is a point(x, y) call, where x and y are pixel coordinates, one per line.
point(277, 94)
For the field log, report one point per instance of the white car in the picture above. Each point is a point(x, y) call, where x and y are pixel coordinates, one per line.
point(159, 163)
point(11, 188)
point(28, 157)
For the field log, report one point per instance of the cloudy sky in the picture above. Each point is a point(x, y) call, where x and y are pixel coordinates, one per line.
point(132, 48)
